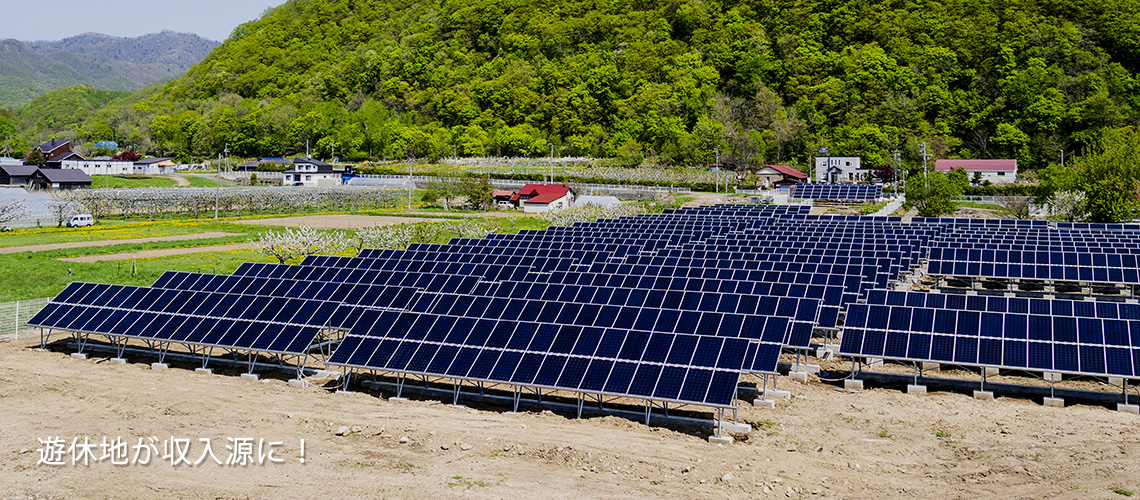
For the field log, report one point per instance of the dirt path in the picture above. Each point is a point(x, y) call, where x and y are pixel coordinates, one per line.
point(180, 181)
point(103, 243)
point(147, 254)
point(823, 443)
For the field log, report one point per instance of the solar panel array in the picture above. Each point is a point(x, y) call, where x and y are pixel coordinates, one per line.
point(855, 192)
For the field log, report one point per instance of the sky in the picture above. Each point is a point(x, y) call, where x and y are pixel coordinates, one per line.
point(213, 19)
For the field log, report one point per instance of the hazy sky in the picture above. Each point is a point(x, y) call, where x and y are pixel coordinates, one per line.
point(214, 19)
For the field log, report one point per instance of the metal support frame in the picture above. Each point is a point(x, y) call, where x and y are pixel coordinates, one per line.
point(455, 393)
point(719, 420)
point(347, 379)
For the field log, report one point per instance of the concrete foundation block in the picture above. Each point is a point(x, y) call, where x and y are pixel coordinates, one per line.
point(1128, 408)
point(931, 367)
point(806, 368)
point(396, 399)
point(298, 383)
point(916, 389)
point(1052, 376)
point(158, 367)
point(764, 403)
point(853, 384)
point(873, 362)
point(461, 407)
point(204, 371)
point(327, 374)
point(1054, 402)
point(735, 427)
point(990, 371)
point(984, 395)
point(342, 391)
point(774, 394)
point(79, 355)
point(252, 377)
point(824, 353)
point(117, 361)
point(800, 377)
point(1117, 381)
point(714, 439)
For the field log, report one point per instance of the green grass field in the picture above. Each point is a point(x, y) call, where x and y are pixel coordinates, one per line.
point(115, 181)
point(30, 275)
point(201, 182)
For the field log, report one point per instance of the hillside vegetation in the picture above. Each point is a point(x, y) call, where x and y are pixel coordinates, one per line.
point(762, 80)
point(31, 69)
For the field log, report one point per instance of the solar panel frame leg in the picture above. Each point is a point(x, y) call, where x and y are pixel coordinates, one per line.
point(206, 354)
point(455, 394)
point(400, 386)
point(648, 411)
point(347, 379)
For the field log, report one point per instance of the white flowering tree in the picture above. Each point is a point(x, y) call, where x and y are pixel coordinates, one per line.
point(11, 211)
point(300, 242)
point(472, 228)
point(590, 213)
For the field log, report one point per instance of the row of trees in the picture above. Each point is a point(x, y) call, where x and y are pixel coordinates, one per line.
point(656, 82)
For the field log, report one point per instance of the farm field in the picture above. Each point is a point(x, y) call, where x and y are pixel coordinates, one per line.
point(824, 442)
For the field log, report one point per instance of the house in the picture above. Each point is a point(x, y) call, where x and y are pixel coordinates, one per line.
point(312, 173)
point(537, 198)
point(16, 175)
point(7, 160)
point(60, 178)
point(249, 166)
point(779, 175)
point(995, 171)
point(102, 165)
point(55, 152)
point(839, 169)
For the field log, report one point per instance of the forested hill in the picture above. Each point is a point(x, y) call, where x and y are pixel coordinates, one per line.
point(763, 80)
point(31, 69)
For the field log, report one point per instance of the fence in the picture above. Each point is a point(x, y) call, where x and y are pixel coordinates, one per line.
point(13, 315)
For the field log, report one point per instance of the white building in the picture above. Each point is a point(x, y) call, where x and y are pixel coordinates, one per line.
point(995, 171)
point(312, 173)
point(838, 169)
point(107, 166)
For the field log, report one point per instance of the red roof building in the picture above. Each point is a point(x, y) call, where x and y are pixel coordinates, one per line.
point(535, 198)
point(995, 171)
point(779, 175)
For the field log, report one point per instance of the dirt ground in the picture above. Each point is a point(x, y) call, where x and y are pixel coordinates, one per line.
point(824, 442)
point(103, 243)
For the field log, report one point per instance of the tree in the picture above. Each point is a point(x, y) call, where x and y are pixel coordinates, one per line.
point(883, 173)
point(11, 211)
point(62, 209)
point(34, 157)
point(300, 242)
point(1017, 207)
point(934, 198)
point(129, 155)
point(478, 192)
point(1109, 178)
point(445, 188)
point(960, 178)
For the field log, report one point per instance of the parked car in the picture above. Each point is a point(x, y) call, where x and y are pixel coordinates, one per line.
point(80, 220)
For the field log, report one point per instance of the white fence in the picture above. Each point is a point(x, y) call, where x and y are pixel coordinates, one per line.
point(13, 315)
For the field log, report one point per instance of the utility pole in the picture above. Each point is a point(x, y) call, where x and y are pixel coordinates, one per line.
point(551, 161)
point(895, 178)
point(1062, 158)
point(218, 191)
point(924, 172)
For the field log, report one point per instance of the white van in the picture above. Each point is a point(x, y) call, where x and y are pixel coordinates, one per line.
point(80, 220)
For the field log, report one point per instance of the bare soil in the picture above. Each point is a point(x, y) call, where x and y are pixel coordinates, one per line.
point(103, 243)
point(824, 442)
point(339, 221)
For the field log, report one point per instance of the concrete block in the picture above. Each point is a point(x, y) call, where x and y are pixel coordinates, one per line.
point(873, 362)
point(1055, 402)
point(800, 377)
point(1052, 376)
point(1117, 381)
point(327, 374)
point(79, 355)
point(990, 371)
point(915, 389)
point(298, 383)
point(720, 439)
point(396, 399)
point(853, 384)
point(764, 403)
point(158, 367)
point(774, 394)
point(252, 377)
point(824, 354)
point(342, 391)
point(204, 371)
point(806, 368)
point(461, 407)
point(117, 361)
point(1128, 408)
point(735, 427)
point(930, 366)
point(984, 395)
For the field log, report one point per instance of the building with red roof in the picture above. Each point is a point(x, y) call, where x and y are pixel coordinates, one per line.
point(536, 198)
point(995, 171)
point(779, 175)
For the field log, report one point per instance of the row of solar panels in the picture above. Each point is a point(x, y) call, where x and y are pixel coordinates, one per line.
point(1036, 306)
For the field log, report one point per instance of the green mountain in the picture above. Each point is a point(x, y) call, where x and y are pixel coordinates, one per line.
point(31, 69)
point(761, 80)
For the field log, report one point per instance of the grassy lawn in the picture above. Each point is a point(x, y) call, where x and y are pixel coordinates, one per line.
point(201, 182)
point(983, 206)
point(38, 274)
point(116, 181)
